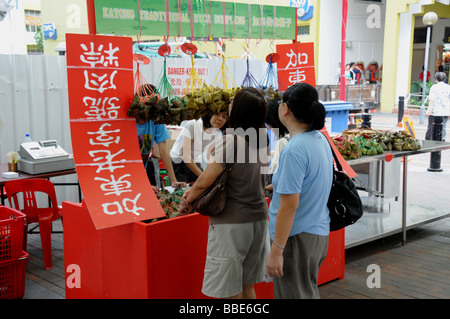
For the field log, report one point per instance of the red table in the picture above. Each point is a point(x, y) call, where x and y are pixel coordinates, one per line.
point(163, 259)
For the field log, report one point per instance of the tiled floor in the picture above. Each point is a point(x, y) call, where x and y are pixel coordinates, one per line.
point(41, 283)
point(419, 269)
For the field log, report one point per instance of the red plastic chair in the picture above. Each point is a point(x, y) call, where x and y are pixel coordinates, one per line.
point(34, 214)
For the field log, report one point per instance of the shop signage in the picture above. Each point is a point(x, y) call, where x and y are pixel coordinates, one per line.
point(304, 9)
point(296, 63)
point(33, 20)
point(104, 139)
point(193, 18)
point(50, 31)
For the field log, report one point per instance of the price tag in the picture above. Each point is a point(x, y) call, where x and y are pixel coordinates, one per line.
point(141, 59)
point(164, 50)
point(189, 48)
point(275, 57)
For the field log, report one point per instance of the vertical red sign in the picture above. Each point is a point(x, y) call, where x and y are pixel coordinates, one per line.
point(296, 64)
point(105, 144)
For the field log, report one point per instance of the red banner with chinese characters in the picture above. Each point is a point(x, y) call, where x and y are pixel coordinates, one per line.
point(109, 166)
point(296, 64)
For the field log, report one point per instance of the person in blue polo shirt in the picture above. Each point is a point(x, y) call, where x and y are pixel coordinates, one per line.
point(299, 221)
point(148, 133)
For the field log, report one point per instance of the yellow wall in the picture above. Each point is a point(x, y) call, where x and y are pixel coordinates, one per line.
point(393, 9)
point(443, 11)
point(390, 56)
point(31, 5)
point(69, 16)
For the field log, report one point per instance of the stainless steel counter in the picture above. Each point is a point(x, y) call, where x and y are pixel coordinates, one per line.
point(385, 217)
point(427, 147)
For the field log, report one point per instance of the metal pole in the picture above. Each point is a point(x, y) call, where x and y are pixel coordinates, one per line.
point(401, 108)
point(342, 95)
point(367, 120)
point(435, 157)
point(425, 71)
point(404, 198)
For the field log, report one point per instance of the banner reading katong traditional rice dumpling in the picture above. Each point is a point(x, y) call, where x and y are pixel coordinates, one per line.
point(195, 18)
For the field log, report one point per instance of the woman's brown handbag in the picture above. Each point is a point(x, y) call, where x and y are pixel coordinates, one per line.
point(212, 201)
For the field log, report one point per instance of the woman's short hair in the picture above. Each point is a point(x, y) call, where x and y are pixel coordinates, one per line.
point(303, 101)
point(273, 118)
point(440, 76)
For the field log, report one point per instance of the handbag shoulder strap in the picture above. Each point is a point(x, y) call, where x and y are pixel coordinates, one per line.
point(336, 160)
point(229, 166)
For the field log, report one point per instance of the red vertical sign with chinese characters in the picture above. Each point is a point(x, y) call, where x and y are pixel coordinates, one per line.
point(105, 144)
point(296, 64)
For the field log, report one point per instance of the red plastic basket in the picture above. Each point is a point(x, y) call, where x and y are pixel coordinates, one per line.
point(12, 224)
point(12, 277)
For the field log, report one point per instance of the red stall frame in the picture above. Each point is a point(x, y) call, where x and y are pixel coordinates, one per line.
point(159, 260)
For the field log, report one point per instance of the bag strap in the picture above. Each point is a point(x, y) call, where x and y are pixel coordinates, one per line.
point(338, 164)
point(229, 166)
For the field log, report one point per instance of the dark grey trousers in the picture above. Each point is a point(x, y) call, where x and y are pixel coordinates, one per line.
point(303, 255)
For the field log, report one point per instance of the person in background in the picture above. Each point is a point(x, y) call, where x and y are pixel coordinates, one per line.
point(196, 138)
point(274, 123)
point(421, 74)
point(338, 73)
point(357, 74)
point(148, 133)
point(439, 105)
point(441, 69)
point(238, 240)
point(299, 221)
point(348, 74)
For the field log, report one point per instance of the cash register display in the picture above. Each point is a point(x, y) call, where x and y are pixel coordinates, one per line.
point(42, 150)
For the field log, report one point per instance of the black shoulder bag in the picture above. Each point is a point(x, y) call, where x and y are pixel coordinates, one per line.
point(344, 202)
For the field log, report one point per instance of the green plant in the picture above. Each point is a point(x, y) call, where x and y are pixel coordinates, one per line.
point(39, 38)
point(417, 101)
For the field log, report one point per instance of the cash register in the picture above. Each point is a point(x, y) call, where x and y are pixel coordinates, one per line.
point(43, 157)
